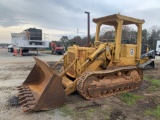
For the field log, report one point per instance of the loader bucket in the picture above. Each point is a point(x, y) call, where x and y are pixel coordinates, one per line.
point(42, 90)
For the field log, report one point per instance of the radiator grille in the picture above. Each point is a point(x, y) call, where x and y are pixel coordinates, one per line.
point(71, 70)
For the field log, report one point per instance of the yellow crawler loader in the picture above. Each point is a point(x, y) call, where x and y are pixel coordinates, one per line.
point(102, 70)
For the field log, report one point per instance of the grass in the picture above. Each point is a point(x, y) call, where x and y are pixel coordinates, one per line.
point(50, 112)
point(106, 113)
point(66, 111)
point(155, 112)
point(89, 113)
point(86, 113)
point(129, 98)
point(155, 84)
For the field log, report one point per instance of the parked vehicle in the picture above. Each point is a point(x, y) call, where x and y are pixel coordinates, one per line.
point(158, 47)
point(11, 49)
point(147, 57)
point(28, 39)
point(57, 47)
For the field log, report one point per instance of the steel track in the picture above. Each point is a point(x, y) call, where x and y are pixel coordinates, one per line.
point(111, 90)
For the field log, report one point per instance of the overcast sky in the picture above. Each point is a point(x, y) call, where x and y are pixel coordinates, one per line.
point(64, 17)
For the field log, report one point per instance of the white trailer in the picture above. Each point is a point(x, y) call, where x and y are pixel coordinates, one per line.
point(22, 40)
point(158, 47)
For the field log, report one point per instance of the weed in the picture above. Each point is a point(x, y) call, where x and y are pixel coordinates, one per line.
point(129, 98)
point(89, 113)
point(106, 113)
point(50, 112)
point(152, 88)
point(155, 84)
point(155, 112)
point(66, 111)
point(91, 110)
point(117, 114)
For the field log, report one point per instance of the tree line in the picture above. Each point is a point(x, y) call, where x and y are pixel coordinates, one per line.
point(129, 35)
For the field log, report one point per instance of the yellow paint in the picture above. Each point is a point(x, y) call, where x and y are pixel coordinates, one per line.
point(106, 55)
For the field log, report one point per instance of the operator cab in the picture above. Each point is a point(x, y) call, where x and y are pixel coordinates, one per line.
point(121, 51)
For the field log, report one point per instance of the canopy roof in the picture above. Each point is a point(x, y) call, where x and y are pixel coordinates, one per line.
point(112, 20)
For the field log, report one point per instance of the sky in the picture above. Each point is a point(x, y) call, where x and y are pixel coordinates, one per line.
point(59, 18)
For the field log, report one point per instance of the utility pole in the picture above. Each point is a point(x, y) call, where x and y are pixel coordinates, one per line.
point(88, 13)
point(77, 36)
point(77, 32)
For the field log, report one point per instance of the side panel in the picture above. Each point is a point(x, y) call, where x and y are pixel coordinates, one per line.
point(130, 51)
point(81, 53)
point(127, 56)
point(71, 56)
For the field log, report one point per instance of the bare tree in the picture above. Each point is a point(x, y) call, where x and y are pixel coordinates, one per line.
point(129, 35)
point(107, 33)
point(64, 39)
point(154, 35)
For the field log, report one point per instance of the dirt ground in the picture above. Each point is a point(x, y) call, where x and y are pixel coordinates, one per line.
point(14, 70)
